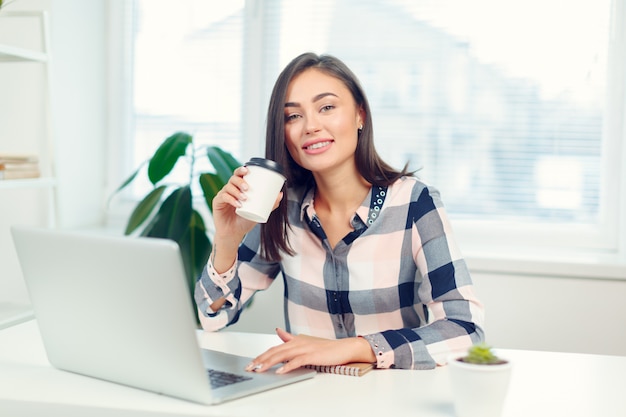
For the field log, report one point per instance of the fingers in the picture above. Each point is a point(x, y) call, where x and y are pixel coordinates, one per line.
point(290, 366)
point(295, 352)
point(284, 335)
point(277, 354)
point(271, 357)
point(230, 197)
point(233, 192)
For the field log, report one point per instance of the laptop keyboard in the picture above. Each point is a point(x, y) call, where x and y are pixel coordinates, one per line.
point(221, 378)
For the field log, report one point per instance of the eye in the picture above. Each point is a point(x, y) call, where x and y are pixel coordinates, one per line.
point(291, 117)
point(327, 108)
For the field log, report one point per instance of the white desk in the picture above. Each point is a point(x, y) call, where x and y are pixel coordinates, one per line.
point(543, 384)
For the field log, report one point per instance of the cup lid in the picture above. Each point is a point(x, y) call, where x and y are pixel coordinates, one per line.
point(267, 163)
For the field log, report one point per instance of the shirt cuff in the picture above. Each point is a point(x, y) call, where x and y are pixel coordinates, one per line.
point(384, 353)
point(221, 282)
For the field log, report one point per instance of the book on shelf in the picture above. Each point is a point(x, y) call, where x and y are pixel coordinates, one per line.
point(16, 166)
point(16, 158)
point(19, 174)
point(352, 369)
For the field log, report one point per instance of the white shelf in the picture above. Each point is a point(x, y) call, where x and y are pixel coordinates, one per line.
point(13, 309)
point(44, 182)
point(14, 54)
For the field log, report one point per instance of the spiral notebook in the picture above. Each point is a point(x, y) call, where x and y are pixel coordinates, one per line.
point(352, 369)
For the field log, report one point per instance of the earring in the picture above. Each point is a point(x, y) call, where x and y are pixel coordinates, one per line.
point(360, 129)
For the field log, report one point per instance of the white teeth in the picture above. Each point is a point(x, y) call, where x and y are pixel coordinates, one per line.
point(318, 145)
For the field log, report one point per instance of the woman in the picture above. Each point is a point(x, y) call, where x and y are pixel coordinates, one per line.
point(370, 267)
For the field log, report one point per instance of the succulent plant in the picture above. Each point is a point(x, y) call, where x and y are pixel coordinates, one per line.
point(481, 354)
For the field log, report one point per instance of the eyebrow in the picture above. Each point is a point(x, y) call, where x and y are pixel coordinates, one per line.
point(316, 98)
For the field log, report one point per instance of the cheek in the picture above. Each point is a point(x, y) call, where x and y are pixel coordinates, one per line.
point(344, 125)
point(345, 130)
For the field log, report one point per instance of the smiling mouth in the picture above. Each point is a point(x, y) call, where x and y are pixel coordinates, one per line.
point(318, 145)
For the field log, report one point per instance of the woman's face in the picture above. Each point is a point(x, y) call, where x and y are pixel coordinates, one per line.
point(321, 121)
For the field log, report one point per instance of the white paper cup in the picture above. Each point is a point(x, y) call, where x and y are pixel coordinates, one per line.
point(265, 179)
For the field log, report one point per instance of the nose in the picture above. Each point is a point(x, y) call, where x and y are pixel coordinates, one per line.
point(312, 125)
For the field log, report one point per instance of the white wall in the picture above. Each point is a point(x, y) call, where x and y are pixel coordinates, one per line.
point(22, 126)
point(554, 313)
point(78, 80)
point(79, 100)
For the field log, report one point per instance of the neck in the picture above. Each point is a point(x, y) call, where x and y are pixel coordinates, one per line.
point(340, 193)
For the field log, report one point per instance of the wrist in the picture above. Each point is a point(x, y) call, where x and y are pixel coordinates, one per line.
point(366, 354)
point(223, 254)
point(227, 240)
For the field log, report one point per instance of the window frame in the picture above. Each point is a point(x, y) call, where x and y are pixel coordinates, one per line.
point(608, 237)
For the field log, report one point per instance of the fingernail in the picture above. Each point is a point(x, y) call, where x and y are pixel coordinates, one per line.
point(252, 367)
point(280, 370)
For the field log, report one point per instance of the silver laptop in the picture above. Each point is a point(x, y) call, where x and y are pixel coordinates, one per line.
point(119, 309)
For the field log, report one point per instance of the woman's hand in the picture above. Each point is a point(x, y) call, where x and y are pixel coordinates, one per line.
point(227, 200)
point(229, 227)
point(303, 350)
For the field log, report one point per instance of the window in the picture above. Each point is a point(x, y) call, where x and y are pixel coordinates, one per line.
point(510, 108)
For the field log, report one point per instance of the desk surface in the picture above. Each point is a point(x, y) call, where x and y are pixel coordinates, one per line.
point(542, 384)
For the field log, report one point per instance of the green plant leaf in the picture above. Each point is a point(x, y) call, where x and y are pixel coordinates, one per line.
point(223, 162)
point(166, 156)
point(229, 158)
point(211, 184)
point(195, 249)
point(481, 353)
point(173, 217)
point(143, 209)
point(197, 221)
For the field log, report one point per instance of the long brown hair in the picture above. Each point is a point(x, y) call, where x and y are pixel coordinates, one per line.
point(274, 233)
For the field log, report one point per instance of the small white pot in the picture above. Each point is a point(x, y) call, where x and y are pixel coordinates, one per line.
point(478, 390)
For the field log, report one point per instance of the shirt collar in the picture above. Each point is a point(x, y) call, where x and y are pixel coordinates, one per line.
point(307, 211)
point(367, 212)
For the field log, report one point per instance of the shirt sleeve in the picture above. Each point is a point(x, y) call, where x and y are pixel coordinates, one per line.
point(250, 273)
point(445, 293)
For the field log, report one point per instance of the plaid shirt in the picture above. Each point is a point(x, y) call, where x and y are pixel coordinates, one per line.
point(398, 279)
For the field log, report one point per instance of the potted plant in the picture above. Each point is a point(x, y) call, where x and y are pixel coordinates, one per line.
point(481, 354)
point(169, 210)
point(480, 381)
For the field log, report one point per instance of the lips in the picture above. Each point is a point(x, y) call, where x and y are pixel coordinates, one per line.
point(317, 145)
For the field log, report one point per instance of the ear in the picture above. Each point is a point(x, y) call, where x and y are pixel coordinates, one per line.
point(360, 120)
